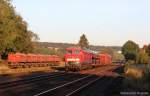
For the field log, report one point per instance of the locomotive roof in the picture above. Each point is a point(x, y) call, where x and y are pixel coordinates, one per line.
point(84, 49)
point(105, 54)
point(73, 48)
point(90, 51)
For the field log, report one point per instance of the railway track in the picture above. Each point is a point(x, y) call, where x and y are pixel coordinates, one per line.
point(65, 84)
point(74, 88)
point(20, 82)
point(70, 88)
point(107, 86)
point(35, 86)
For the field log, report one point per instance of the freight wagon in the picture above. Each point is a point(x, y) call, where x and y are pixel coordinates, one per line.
point(31, 60)
point(105, 59)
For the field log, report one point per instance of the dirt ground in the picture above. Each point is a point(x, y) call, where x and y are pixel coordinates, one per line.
point(5, 70)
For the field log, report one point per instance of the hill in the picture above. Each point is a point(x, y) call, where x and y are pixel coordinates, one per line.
point(66, 45)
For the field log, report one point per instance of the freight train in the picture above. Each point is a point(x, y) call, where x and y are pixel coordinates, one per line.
point(79, 59)
point(31, 60)
point(75, 59)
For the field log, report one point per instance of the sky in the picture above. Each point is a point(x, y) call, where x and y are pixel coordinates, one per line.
point(105, 22)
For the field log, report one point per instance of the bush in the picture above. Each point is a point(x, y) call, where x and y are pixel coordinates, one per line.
point(147, 73)
point(130, 50)
point(137, 84)
point(43, 50)
point(143, 58)
point(128, 64)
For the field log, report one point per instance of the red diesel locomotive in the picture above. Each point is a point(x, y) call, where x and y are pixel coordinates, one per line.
point(78, 59)
point(30, 60)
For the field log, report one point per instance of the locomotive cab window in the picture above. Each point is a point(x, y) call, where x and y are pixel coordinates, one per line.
point(69, 51)
point(76, 51)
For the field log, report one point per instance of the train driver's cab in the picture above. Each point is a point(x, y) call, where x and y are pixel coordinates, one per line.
point(72, 56)
point(72, 51)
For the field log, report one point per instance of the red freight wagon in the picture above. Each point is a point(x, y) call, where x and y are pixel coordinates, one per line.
point(19, 59)
point(34, 58)
point(56, 58)
point(50, 58)
point(104, 59)
point(46, 58)
point(42, 58)
point(30, 58)
point(39, 58)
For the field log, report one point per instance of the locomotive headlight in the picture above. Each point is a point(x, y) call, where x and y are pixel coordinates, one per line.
point(73, 59)
point(77, 59)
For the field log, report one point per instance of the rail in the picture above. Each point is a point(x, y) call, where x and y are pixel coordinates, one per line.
point(28, 80)
point(69, 84)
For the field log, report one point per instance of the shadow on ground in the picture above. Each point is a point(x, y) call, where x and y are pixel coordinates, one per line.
point(106, 86)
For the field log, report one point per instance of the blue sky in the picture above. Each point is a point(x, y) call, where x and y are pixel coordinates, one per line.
point(105, 22)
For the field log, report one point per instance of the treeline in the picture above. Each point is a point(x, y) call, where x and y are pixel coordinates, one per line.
point(66, 45)
point(47, 51)
point(134, 54)
point(14, 34)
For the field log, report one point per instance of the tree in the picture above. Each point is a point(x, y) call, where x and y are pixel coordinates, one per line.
point(83, 42)
point(143, 58)
point(14, 35)
point(43, 50)
point(130, 50)
point(148, 50)
point(118, 56)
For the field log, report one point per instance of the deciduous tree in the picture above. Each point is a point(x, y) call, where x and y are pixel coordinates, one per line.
point(14, 35)
point(83, 42)
point(148, 50)
point(130, 50)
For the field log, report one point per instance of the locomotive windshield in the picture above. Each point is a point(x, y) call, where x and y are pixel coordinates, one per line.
point(76, 51)
point(73, 51)
point(69, 51)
